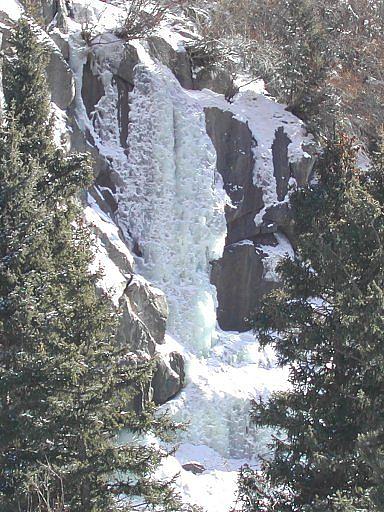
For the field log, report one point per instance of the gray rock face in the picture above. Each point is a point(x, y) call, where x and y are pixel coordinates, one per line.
point(281, 167)
point(124, 79)
point(61, 81)
point(302, 169)
point(233, 142)
point(239, 280)
point(177, 61)
point(143, 319)
point(239, 276)
point(79, 143)
point(61, 42)
point(132, 330)
point(150, 306)
point(59, 75)
point(215, 78)
point(169, 378)
point(144, 314)
point(92, 88)
point(126, 68)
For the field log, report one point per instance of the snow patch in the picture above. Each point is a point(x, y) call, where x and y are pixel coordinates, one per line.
point(273, 254)
point(12, 8)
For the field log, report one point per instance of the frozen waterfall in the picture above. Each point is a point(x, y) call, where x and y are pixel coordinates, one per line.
point(172, 202)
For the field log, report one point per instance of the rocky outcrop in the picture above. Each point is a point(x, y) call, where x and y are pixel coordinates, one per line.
point(215, 78)
point(149, 305)
point(124, 77)
point(241, 275)
point(60, 79)
point(169, 377)
point(59, 75)
point(176, 60)
point(92, 87)
point(234, 144)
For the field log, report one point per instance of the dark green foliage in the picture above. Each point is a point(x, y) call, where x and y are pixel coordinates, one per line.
point(66, 388)
point(327, 324)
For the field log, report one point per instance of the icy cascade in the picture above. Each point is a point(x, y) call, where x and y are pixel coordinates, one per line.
point(180, 224)
point(170, 200)
point(171, 205)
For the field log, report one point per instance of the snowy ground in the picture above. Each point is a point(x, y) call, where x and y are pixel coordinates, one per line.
point(216, 404)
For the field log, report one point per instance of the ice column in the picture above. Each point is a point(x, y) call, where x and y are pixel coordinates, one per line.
point(170, 202)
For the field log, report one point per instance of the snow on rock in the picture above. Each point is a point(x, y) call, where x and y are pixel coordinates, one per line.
point(113, 280)
point(264, 117)
point(12, 8)
point(109, 233)
point(273, 255)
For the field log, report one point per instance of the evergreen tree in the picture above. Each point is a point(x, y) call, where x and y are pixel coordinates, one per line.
point(66, 387)
point(304, 60)
point(327, 324)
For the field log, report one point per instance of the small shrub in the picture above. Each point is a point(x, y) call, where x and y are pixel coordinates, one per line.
point(142, 17)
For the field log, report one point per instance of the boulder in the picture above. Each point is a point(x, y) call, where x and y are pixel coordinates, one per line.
point(132, 331)
point(169, 377)
point(61, 80)
point(194, 467)
point(176, 60)
point(150, 306)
